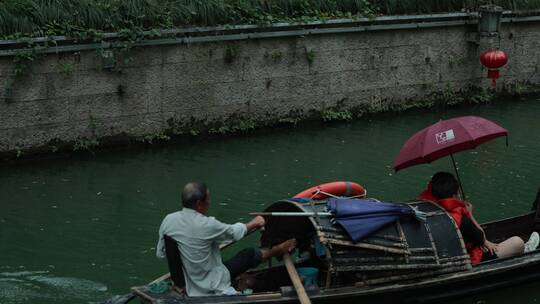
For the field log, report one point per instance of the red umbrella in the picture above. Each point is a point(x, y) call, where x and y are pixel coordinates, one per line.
point(445, 138)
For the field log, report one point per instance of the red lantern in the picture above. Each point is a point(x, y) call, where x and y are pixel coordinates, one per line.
point(493, 60)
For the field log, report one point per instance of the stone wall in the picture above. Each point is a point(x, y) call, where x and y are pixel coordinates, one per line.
point(70, 97)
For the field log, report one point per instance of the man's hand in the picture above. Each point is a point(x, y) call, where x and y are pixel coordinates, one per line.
point(490, 247)
point(256, 223)
point(259, 221)
point(469, 206)
point(285, 247)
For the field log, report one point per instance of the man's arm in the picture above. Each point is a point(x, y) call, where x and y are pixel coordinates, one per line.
point(222, 232)
point(160, 248)
point(256, 223)
point(470, 210)
point(471, 233)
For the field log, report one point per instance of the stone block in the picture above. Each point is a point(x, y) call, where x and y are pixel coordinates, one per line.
point(275, 63)
point(391, 57)
point(186, 98)
point(342, 60)
point(61, 63)
point(351, 81)
point(220, 51)
point(221, 113)
point(142, 57)
point(62, 85)
point(416, 74)
point(263, 47)
point(238, 93)
point(360, 40)
point(522, 29)
point(143, 80)
point(107, 106)
point(100, 82)
point(210, 116)
point(299, 86)
point(183, 74)
point(192, 98)
point(132, 125)
point(91, 60)
point(28, 87)
point(191, 53)
point(38, 135)
point(6, 66)
point(330, 43)
point(30, 113)
point(273, 109)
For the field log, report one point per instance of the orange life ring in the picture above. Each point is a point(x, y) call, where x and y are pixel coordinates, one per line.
point(340, 188)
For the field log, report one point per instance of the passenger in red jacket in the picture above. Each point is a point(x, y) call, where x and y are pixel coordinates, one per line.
point(443, 190)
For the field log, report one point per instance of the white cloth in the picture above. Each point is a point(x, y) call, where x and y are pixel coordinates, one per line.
point(198, 238)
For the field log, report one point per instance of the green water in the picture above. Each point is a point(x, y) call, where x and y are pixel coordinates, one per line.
point(82, 229)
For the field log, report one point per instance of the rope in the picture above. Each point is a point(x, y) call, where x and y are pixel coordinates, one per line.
point(419, 215)
point(159, 287)
point(335, 196)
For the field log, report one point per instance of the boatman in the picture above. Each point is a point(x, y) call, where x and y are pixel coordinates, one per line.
point(199, 238)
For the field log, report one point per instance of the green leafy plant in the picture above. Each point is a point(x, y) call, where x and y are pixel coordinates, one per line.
point(234, 124)
point(23, 59)
point(231, 53)
point(86, 143)
point(88, 19)
point(151, 138)
point(455, 60)
point(19, 153)
point(8, 88)
point(67, 67)
point(290, 120)
point(336, 115)
point(450, 96)
point(310, 56)
point(482, 96)
point(276, 55)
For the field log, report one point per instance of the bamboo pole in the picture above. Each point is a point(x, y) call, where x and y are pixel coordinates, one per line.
point(297, 283)
point(459, 180)
point(298, 214)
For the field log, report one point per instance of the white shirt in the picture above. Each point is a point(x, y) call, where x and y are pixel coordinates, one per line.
point(198, 238)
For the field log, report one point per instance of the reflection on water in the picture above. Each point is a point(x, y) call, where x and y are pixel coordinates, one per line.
point(79, 230)
point(43, 287)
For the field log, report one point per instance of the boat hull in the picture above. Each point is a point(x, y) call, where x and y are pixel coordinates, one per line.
point(486, 277)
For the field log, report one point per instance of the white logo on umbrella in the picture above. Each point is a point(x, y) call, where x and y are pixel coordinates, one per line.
point(444, 137)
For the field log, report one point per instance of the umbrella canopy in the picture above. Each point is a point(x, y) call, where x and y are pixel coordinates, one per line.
point(362, 217)
point(445, 138)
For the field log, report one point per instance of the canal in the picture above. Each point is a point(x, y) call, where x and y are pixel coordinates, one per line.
point(79, 230)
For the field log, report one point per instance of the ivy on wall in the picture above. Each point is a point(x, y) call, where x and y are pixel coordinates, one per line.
point(87, 19)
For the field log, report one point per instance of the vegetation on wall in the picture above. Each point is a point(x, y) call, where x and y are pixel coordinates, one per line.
point(87, 19)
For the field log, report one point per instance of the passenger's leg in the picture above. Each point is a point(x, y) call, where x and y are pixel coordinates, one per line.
point(251, 257)
point(510, 247)
point(244, 260)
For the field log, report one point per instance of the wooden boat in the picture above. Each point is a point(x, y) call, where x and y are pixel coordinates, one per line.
point(408, 262)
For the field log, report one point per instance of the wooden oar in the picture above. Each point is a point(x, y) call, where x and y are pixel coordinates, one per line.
point(297, 283)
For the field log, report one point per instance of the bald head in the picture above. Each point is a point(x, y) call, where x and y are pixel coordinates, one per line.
point(192, 193)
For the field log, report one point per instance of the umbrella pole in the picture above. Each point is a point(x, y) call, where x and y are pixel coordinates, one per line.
point(457, 175)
